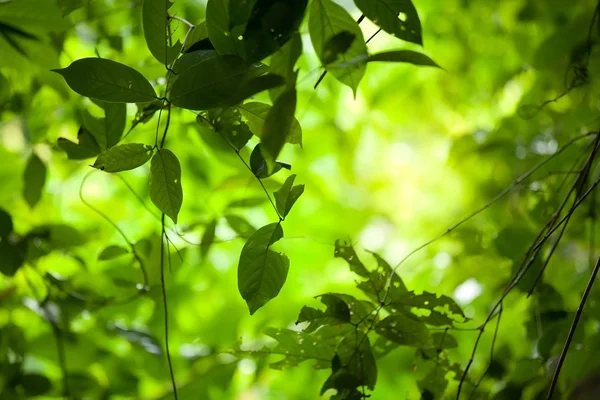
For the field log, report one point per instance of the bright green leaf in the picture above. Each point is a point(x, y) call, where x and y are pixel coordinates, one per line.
point(123, 157)
point(155, 23)
point(111, 252)
point(396, 17)
point(34, 179)
point(255, 114)
point(261, 271)
point(287, 195)
point(165, 183)
point(107, 80)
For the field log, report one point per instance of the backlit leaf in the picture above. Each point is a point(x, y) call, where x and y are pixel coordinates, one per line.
point(337, 312)
point(278, 125)
point(155, 22)
point(287, 195)
point(240, 226)
point(165, 183)
point(396, 17)
point(255, 114)
point(34, 179)
point(404, 330)
point(123, 157)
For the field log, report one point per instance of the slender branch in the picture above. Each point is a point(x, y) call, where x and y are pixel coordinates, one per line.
point(62, 360)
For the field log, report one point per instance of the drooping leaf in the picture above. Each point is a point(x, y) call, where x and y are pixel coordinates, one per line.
point(404, 56)
point(165, 183)
point(256, 113)
point(396, 17)
point(240, 226)
point(111, 252)
point(261, 271)
point(259, 165)
point(123, 157)
point(108, 130)
point(107, 80)
point(326, 20)
point(337, 312)
point(86, 147)
point(282, 64)
point(278, 125)
point(287, 195)
point(404, 330)
point(212, 83)
point(6, 224)
point(155, 21)
point(208, 238)
point(231, 127)
point(34, 179)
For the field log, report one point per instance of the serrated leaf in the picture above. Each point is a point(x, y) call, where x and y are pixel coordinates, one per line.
point(278, 125)
point(282, 63)
point(396, 17)
point(208, 238)
point(155, 21)
point(212, 82)
point(108, 130)
point(404, 56)
point(287, 195)
point(34, 179)
point(111, 252)
point(240, 226)
point(165, 183)
point(256, 113)
point(123, 157)
point(86, 147)
point(107, 80)
point(404, 330)
point(6, 224)
point(326, 20)
point(261, 271)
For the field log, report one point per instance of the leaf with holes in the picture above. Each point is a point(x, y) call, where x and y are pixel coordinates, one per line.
point(327, 20)
point(231, 127)
point(261, 271)
point(256, 113)
point(123, 157)
point(396, 17)
point(404, 56)
point(165, 183)
point(34, 179)
point(107, 80)
point(405, 331)
point(155, 22)
point(287, 195)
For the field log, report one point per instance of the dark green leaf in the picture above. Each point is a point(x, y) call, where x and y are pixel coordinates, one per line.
point(190, 59)
point(256, 85)
point(328, 19)
point(218, 27)
point(86, 148)
point(443, 340)
point(107, 131)
point(145, 340)
point(240, 226)
point(111, 252)
point(35, 385)
point(33, 14)
point(396, 17)
point(208, 238)
point(197, 39)
point(12, 256)
point(430, 301)
point(230, 126)
point(337, 46)
point(107, 80)
point(165, 183)
point(123, 157)
point(259, 166)
point(278, 125)
point(337, 312)
point(287, 195)
point(68, 6)
point(34, 179)
point(356, 358)
point(345, 251)
point(155, 21)
point(404, 330)
point(434, 384)
point(404, 56)
point(255, 114)
point(283, 62)
point(212, 83)
point(261, 271)
point(4, 90)
point(6, 224)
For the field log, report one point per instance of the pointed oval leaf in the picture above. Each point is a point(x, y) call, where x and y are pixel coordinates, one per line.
point(123, 157)
point(396, 17)
point(255, 114)
point(165, 183)
point(218, 27)
point(278, 125)
point(111, 252)
point(327, 20)
point(404, 56)
point(108, 130)
point(34, 179)
point(155, 20)
point(287, 195)
point(107, 80)
point(86, 148)
point(261, 271)
point(283, 62)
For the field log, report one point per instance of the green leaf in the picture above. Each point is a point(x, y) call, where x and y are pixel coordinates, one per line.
point(218, 27)
point(212, 83)
point(35, 384)
point(197, 36)
point(42, 16)
point(86, 148)
point(404, 56)
point(107, 131)
point(287, 195)
point(328, 19)
point(256, 113)
point(396, 17)
point(256, 85)
point(230, 126)
point(283, 62)
point(261, 271)
point(247, 202)
point(337, 312)
point(356, 358)
point(68, 6)
point(107, 80)
point(12, 256)
point(111, 252)
point(259, 165)
point(123, 157)
point(337, 46)
point(155, 21)
point(240, 226)
point(434, 384)
point(278, 125)
point(405, 331)
point(208, 238)
point(165, 183)
point(441, 304)
point(34, 179)
point(4, 90)
point(6, 224)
